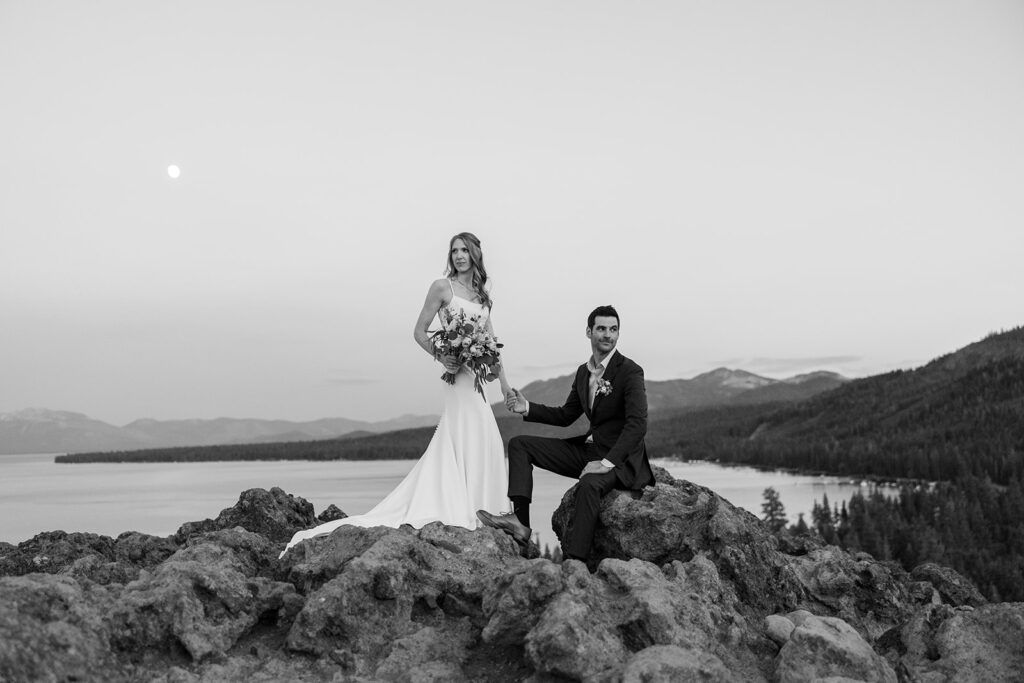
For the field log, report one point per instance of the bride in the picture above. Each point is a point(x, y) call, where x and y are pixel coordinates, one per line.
point(464, 468)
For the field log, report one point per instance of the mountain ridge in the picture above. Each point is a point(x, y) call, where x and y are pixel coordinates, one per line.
point(41, 430)
point(959, 414)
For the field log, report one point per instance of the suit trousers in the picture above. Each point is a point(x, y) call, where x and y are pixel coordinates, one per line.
point(567, 458)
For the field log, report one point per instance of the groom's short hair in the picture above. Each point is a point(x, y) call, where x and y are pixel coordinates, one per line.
point(605, 311)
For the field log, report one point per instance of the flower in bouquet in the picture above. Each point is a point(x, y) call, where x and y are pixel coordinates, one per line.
point(466, 337)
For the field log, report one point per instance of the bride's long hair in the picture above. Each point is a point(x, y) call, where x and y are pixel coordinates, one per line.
point(476, 263)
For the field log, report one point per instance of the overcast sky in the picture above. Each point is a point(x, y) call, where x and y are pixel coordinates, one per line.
point(774, 186)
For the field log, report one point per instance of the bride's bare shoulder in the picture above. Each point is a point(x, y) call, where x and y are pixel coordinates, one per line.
point(441, 285)
point(440, 292)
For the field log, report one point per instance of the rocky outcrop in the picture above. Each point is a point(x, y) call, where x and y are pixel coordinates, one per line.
point(273, 514)
point(681, 585)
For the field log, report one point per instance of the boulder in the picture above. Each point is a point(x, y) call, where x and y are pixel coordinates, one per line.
point(203, 598)
point(824, 648)
point(585, 626)
point(94, 568)
point(330, 514)
point(142, 550)
point(941, 642)
point(677, 520)
point(953, 588)
point(778, 628)
point(54, 551)
point(273, 514)
point(52, 628)
point(676, 663)
point(97, 558)
point(434, 653)
point(379, 587)
point(869, 595)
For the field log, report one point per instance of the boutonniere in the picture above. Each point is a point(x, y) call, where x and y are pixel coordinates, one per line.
point(604, 387)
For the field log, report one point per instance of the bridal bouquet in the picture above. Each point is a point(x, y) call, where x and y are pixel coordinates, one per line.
point(466, 338)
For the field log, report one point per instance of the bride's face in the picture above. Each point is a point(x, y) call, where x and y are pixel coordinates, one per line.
point(460, 256)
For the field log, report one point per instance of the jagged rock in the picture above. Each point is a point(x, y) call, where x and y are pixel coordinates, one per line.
point(142, 550)
point(674, 663)
point(203, 598)
point(132, 552)
point(964, 643)
point(315, 561)
point(248, 668)
point(677, 520)
point(401, 581)
point(330, 514)
point(273, 514)
point(710, 595)
point(53, 551)
point(953, 588)
point(95, 569)
point(585, 626)
point(825, 647)
point(433, 653)
point(52, 629)
point(869, 595)
point(89, 556)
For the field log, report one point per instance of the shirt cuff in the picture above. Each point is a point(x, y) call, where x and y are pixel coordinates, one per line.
point(608, 463)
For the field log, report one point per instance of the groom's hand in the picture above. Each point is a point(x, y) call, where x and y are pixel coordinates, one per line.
point(595, 467)
point(516, 402)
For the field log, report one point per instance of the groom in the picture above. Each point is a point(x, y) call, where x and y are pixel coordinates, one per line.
point(609, 388)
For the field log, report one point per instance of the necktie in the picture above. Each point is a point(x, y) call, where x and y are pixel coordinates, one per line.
point(595, 375)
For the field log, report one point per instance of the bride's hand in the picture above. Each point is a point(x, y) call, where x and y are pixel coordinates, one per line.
point(450, 363)
point(515, 402)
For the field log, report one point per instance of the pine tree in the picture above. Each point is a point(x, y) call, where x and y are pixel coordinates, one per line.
point(774, 512)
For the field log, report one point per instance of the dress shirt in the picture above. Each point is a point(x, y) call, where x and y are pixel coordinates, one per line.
point(596, 373)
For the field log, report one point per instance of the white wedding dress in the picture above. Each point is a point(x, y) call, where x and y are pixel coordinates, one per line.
point(463, 469)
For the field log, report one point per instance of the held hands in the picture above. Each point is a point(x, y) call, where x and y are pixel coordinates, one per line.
point(516, 402)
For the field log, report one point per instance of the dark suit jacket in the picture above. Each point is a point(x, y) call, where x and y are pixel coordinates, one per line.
point(618, 421)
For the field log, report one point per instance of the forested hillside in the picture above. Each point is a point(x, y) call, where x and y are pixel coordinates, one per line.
point(962, 414)
point(953, 430)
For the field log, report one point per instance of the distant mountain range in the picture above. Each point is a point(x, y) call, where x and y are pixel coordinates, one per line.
point(717, 387)
point(51, 431)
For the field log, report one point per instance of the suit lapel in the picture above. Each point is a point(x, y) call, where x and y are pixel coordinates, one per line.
point(608, 376)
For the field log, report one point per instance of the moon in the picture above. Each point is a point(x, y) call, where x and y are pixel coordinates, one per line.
point(173, 171)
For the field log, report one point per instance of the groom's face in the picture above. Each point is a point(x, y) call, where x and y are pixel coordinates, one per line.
point(604, 335)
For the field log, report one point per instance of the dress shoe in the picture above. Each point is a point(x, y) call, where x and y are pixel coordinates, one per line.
point(508, 523)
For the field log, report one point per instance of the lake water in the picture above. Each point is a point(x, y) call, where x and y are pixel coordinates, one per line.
point(37, 494)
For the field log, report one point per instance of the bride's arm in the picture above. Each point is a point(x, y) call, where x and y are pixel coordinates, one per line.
point(433, 303)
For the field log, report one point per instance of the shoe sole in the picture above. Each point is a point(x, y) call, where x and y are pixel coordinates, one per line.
point(489, 522)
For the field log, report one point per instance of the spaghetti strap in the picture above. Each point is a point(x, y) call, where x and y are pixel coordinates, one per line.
point(451, 286)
